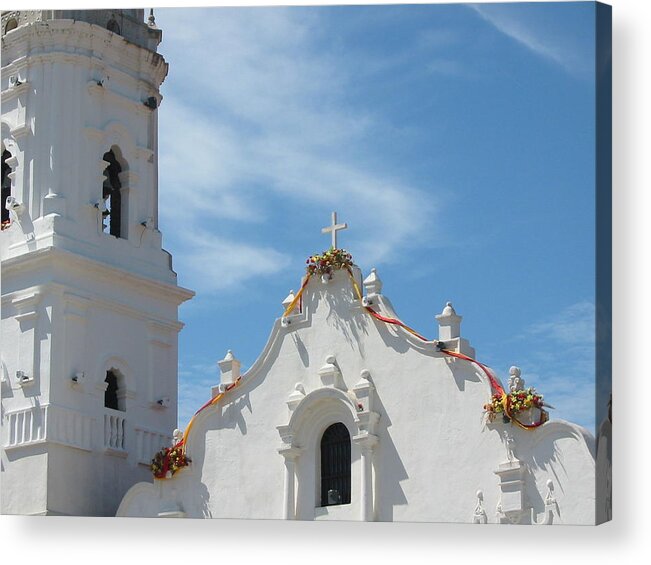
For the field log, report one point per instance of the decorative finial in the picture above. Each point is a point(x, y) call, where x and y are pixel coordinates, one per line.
point(288, 300)
point(151, 21)
point(229, 368)
point(448, 310)
point(372, 283)
point(333, 229)
point(449, 323)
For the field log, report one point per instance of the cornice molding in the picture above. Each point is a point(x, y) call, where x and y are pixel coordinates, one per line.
point(70, 36)
point(96, 270)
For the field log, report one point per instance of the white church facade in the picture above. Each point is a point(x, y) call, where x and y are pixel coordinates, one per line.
point(344, 417)
point(347, 414)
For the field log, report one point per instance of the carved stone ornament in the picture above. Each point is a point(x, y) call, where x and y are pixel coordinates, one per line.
point(330, 373)
point(296, 396)
point(550, 507)
point(516, 383)
point(479, 516)
point(511, 475)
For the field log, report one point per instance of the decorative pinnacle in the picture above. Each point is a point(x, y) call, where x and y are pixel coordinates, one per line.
point(449, 310)
point(372, 283)
point(288, 299)
point(449, 323)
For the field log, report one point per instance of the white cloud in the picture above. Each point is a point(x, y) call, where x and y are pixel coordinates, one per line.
point(562, 362)
point(541, 37)
point(262, 121)
point(574, 326)
point(194, 392)
point(213, 264)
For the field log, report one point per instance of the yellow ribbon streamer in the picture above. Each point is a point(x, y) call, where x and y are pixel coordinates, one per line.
point(287, 312)
point(294, 302)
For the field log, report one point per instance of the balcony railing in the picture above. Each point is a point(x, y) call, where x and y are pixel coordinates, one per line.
point(114, 425)
point(24, 426)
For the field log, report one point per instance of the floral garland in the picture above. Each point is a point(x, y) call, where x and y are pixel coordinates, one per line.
point(517, 402)
point(168, 461)
point(329, 261)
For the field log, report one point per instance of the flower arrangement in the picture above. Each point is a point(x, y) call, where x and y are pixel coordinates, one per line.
point(518, 401)
point(168, 461)
point(329, 261)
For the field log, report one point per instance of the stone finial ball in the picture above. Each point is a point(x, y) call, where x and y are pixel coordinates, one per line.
point(515, 371)
point(448, 310)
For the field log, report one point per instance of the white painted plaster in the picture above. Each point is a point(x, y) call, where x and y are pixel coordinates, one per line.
point(421, 448)
point(77, 302)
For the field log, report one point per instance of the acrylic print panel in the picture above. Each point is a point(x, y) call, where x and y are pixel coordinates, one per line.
point(395, 224)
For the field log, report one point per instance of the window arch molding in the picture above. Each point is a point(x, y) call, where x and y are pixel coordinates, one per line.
point(116, 137)
point(10, 25)
point(113, 26)
point(126, 382)
point(318, 410)
point(302, 435)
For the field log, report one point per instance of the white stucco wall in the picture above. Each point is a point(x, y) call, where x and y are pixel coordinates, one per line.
point(76, 301)
point(433, 452)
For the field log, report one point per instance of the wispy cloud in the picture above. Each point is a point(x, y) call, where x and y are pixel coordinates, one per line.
point(265, 126)
point(195, 383)
point(561, 363)
point(213, 263)
point(544, 38)
point(573, 327)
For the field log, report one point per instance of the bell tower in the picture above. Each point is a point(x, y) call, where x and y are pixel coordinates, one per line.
point(89, 298)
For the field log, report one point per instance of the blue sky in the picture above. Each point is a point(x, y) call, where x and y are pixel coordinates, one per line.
point(457, 141)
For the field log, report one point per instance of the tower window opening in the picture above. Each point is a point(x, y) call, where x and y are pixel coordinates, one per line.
point(11, 24)
point(112, 213)
point(113, 26)
point(114, 394)
point(335, 465)
point(6, 185)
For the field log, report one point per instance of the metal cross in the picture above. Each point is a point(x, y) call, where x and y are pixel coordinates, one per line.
point(334, 228)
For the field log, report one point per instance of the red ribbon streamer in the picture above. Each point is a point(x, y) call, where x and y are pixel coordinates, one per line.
point(497, 388)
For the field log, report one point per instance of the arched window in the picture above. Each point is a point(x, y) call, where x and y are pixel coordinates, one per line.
point(112, 196)
point(11, 24)
point(335, 465)
point(113, 26)
point(114, 394)
point(6, 185)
